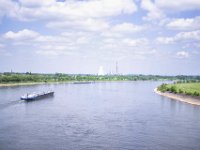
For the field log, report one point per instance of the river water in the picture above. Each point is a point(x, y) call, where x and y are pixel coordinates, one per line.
point(98, 116)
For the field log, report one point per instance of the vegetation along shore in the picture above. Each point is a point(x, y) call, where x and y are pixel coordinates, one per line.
point(188, 92)
point(184, 88)
point(13, 79)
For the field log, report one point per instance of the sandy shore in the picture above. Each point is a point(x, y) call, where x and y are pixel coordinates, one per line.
point(180, 97)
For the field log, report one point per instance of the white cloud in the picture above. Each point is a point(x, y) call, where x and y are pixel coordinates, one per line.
point(126, 47)
point(193, 35)
point(124, 29)
point(27, 36)
point(182, 54)
point(36, 3)
point(127, 28)
point(159, 9)
point(177, 5)
point(111, 34)
point(73, 9)
point(135, 42)
point(87, 24)
point(77, 44)
point(8, 8)
point(83, 40)
point(87, 15)
point(153, 11)
point(180, 37)
point(149, 52)
point(21, 35)
point(48, 53)
point(66, 43)
point(55, 50)
point(165, 40)
point(184, 24)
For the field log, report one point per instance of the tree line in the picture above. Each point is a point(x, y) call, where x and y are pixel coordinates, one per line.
point(60, 77)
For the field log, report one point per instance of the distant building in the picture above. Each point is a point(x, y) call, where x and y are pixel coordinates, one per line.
point(101, 71)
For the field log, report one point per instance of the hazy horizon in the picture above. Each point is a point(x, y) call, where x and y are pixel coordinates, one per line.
point(103, 75)
point(79, 37)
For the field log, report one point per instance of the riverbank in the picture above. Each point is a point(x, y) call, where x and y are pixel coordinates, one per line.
point(180, 97)
point(19, 84)
point(29, 83)
point(38, 83)
point(63, 82)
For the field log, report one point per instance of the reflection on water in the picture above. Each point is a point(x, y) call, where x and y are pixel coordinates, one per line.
point(107, 115)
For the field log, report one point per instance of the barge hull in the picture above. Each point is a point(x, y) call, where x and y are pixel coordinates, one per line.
point(36, 96)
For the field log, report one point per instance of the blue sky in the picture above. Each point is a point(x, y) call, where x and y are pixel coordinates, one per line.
point(81, 36)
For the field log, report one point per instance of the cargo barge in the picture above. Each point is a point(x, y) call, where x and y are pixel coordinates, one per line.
point(33, 96)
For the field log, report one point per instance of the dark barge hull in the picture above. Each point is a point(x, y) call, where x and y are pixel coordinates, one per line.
point(38, 96)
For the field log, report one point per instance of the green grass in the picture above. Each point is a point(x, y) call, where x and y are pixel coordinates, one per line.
point(182, 88)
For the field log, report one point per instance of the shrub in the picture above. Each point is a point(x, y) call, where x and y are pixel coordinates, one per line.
point(196, 93)
point(180, 91)
point(173, 89)
point(189, 93)
point(162, 88)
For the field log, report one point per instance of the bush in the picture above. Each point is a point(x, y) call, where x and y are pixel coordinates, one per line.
point(189, 93)
point(162, 88)
point(180, 91)
point(173, 89)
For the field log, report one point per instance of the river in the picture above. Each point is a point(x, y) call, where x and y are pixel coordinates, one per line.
point(97, 116)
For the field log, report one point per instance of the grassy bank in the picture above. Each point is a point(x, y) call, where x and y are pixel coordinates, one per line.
point(191, 88)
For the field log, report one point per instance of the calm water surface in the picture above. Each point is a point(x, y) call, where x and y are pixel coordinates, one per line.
point(99, 116)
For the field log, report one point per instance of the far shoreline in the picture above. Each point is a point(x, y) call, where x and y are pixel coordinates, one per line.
point(180, 97)
point(30, 83)
point(62, 82)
